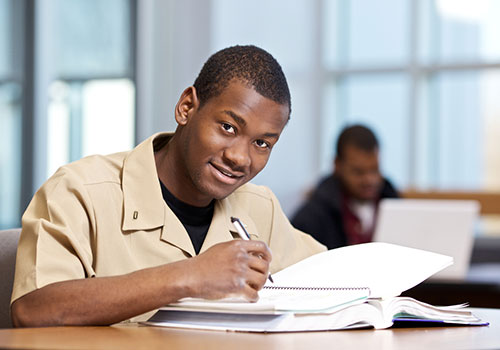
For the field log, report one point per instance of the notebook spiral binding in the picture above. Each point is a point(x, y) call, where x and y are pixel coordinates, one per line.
point(316, 288)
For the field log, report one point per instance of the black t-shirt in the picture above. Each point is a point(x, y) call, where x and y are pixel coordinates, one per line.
point(196, 220)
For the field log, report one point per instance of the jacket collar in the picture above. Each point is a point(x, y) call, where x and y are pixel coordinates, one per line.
point(145, 208)
point(222, 229)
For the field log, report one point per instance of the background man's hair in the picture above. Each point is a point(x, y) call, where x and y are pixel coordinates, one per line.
point(248, 64)
point(358, 136)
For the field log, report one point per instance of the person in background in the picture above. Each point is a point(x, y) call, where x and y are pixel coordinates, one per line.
point(112, 238)
point(342, 209)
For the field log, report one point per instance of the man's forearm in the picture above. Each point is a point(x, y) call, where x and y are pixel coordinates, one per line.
point(231, 268)
point(102, 300)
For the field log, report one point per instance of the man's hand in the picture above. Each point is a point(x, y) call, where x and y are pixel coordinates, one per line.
point(235, 268)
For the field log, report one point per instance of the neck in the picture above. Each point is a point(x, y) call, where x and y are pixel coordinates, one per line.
point(173, 173)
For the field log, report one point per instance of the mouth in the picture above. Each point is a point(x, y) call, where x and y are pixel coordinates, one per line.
point(225, 175)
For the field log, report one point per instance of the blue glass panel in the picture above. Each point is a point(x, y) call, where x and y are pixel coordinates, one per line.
point(5, 36)
point(464, 129)
point(381, 102)
point(460, 31)
point(284, 27)
point(10, 155)
point(89, 37)
point(376, 32)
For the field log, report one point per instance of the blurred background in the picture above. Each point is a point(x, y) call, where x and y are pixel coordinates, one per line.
point(80, 77)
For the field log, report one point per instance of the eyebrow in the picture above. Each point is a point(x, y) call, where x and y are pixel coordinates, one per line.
point(236, 117)
point(243, 122)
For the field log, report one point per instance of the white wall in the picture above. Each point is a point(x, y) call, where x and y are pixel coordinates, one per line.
point(173, 43)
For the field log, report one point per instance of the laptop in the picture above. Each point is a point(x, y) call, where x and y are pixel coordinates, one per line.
point(441, 226)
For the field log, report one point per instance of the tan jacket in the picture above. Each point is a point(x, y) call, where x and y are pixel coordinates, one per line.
point(105, 216)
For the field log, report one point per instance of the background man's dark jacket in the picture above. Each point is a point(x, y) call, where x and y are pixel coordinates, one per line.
point(321, 214)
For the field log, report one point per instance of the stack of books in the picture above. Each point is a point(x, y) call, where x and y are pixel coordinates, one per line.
point(350, 287)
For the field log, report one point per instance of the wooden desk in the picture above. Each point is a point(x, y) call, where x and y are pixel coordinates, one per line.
point(481, 288)
point(490, 201)
point(141, 337)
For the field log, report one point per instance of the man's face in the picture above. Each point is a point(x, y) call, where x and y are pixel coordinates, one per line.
point(359, 173)
point(228, 141)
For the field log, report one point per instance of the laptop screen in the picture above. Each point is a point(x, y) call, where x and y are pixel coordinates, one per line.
point(441, 226)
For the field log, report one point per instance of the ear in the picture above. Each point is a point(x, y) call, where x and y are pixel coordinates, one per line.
point(187, 104)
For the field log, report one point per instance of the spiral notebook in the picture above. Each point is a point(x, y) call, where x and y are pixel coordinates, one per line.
point(348, 287)
point(279, 299)
point(279, 309)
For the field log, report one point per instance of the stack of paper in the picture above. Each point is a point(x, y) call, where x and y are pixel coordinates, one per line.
point(348, 287)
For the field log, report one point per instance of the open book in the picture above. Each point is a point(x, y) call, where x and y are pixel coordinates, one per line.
point(348, 287)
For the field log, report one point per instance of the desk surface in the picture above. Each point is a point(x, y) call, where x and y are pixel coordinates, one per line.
point(142, 337)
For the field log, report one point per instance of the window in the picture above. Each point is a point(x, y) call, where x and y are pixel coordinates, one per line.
point(424, 75)
point(11, 91)
point(90, 78)
point(67, 89)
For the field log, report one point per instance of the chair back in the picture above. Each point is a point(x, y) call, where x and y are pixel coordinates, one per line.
point(8, 249)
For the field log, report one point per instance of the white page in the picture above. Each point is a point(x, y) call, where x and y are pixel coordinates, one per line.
point(387, 269)
point(277, 301)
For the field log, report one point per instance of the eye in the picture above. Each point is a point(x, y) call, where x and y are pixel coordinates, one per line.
point(229, 128)
point(262, 144)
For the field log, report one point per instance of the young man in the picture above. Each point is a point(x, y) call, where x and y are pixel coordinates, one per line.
point(111, 237)
point(343, 207)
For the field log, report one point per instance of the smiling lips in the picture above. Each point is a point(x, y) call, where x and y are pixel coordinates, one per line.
point(225, 175)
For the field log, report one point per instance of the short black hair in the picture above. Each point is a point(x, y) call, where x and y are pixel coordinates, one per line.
point(248, 64)
point(358, 136)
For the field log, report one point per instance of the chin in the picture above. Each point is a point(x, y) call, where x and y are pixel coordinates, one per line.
point(218, 193)
point(370, 197)
point(365, 196)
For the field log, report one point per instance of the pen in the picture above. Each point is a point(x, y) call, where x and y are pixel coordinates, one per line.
point(242, 232)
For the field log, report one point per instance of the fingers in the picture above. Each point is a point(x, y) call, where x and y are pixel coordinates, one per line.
point(235, 268)
point(247, 293)
point(257, 256)
point(256, 279)
point(258, 264)
point(253, 283)
point(259, 249)
point(251, 293)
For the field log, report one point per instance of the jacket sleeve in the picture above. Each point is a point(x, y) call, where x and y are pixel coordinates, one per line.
point(55, 242)
point(288, 244)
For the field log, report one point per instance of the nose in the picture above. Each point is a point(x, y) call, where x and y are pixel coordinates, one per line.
point(371, 178)
point(238, 155)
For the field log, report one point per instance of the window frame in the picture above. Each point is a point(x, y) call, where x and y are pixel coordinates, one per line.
point(25, 39)
point(419, 73)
